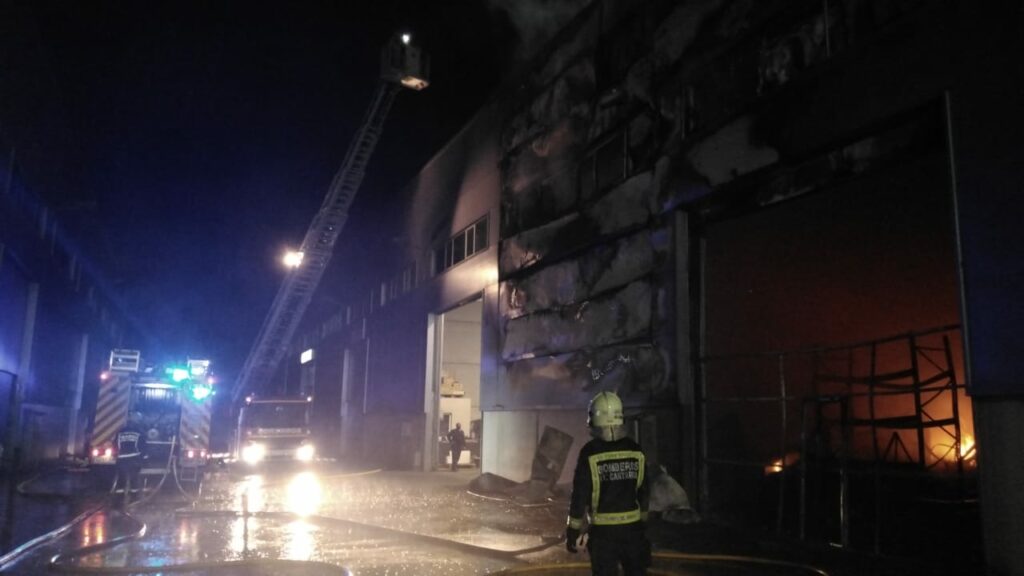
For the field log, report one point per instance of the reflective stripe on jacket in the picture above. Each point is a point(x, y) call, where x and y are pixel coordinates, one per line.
point(609, 484)
point(129, 444)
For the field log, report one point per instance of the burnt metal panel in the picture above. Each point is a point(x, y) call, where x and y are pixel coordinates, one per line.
point(549, 380)
point(611, 318)
point(546, 197)
point(567, 97)
point(626, 207)
point(573, 281)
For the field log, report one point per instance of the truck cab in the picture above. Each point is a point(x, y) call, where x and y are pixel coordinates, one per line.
point(274, 429)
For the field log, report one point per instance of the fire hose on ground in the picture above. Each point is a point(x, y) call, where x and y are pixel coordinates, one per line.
point(685, 557)
point(52, 536)
point(513, 555)
point(61, 561)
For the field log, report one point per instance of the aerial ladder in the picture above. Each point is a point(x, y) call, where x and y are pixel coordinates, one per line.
point(402, 66)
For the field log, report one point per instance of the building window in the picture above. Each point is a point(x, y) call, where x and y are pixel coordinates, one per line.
point(467, 243)
point(604, 166)
point(409, 277)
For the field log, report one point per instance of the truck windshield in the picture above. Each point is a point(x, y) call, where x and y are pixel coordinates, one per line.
point(285, 415)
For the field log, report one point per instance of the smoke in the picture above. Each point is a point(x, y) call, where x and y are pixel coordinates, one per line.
point(536, 21)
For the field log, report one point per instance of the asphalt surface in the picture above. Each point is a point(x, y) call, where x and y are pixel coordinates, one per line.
point(327, 519)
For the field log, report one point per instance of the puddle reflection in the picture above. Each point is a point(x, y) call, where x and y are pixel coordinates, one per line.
point(94, 529)
point(304, 494)
point(300, 543)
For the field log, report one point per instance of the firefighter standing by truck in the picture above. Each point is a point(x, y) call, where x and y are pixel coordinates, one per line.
point(609, 486)
point(131, 451)
point(152, 419)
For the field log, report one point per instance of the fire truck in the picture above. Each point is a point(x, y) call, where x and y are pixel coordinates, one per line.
point(171, 403)
point(274, 428)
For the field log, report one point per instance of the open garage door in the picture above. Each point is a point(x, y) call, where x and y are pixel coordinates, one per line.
point(453, 383)
point(833, 400)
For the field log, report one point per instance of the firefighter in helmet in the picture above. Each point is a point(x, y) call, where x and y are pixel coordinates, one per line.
point(610, 490)
point(131, 449)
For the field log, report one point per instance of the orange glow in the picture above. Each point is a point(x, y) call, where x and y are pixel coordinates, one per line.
point(94, 530)
point(779, 464)
point(967, 448)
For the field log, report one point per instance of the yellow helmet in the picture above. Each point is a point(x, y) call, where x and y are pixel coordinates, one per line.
point(605, 410)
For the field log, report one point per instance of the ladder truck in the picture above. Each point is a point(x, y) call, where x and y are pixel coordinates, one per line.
point(402, 66)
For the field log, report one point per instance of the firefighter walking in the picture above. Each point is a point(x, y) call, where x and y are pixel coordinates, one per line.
point(609, 489)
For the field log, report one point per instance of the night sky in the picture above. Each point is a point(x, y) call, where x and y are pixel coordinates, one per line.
point(187, 144)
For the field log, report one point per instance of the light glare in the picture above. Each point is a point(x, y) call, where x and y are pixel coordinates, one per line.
point(305, 453)
point(293, 258)
point(304, 494)
point(254, 453)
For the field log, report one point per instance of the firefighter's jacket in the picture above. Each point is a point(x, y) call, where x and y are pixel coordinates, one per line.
point(609, 484)
point(131, 444)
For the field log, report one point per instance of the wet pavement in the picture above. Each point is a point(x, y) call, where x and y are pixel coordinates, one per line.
point(36, 503)
point(327, 519)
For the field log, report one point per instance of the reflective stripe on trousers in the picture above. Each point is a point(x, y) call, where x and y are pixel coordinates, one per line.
point(616, 518)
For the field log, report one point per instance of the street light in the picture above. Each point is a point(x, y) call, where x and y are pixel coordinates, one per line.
point(293, 258)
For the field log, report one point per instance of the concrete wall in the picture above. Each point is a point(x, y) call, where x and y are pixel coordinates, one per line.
point(511, 439)
point(1000, 447)
point(457, 188)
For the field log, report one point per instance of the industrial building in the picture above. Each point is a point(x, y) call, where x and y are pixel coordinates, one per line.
point(58, 321)
point(757, 222)
point(787, 233)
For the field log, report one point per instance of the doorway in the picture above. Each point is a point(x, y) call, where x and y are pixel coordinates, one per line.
point(832, 383)
point(453, 384)
point(352, 403)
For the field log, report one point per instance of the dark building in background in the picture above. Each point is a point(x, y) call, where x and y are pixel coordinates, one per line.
point(773, 227)
point(58, 324)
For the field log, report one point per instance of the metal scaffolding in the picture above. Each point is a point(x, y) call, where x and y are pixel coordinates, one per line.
point(829, 431)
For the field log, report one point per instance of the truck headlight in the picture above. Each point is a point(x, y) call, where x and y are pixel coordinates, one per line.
point(254, 453)
point(305, 453)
